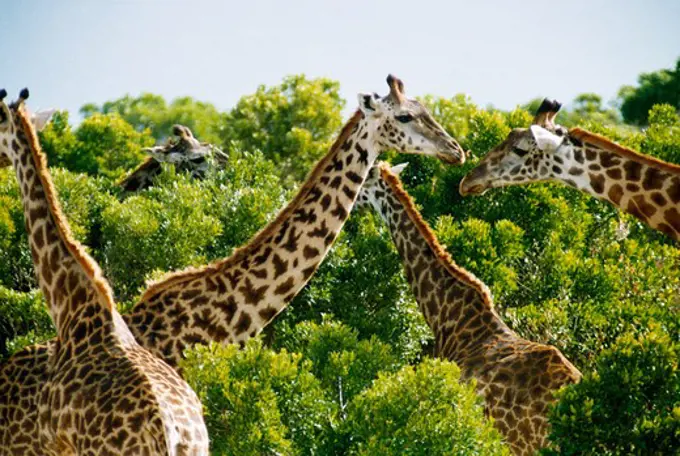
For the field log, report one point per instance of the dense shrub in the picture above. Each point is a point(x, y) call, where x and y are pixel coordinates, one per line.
point(24, 320)
point(82, 199)
point(630, 403)
point(167, 227)
point(16, 264)
point(421, 411)
point(361, 284)
point(344, 364)
point(292, 123)
point(246, 195)
point(487, 251)
point(259, 402)
point(101, 144)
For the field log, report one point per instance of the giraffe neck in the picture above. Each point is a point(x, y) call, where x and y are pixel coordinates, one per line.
point(456, 305)
point(142, 176)
point(639, 185)
point(69, 279)
point(234, 299)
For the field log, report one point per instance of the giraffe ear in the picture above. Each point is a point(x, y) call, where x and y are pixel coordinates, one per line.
point(545, 140)
point(40, 119)
point(397, 169)
point(368, 103)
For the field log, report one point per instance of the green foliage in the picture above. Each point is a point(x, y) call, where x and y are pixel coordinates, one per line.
point(488, 252)
point(421, 411)
point(662, 138)
point(658, 87)
point(151, 112)
point(101, 144)
point(361, 284)
point(24, 320)
point(245, 195)
point(258, 402)
point(165, 228)
point(344, 364)
point(292, 123)
point(487, 129)
point(630, 404)
point(452, 113)
point(16, 264)
point(82, 199)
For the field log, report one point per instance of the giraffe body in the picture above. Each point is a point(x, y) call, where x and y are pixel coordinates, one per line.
point(515, 376)
point(234, 299)
point(102, 393)
point(643, 186)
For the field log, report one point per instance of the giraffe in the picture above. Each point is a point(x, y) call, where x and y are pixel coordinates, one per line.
point(187, 154)
point(640, 185)
point(515, 376)
point(102, 393)
point(234, 299)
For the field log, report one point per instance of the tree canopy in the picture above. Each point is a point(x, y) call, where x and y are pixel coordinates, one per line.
point(657, 87)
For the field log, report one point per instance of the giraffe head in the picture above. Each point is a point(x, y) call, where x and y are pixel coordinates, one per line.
point(9, 125)
point(405, 125)
point(185, 149)
point(527, 155)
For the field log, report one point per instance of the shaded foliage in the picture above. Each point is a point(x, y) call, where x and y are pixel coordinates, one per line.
point(630, 403)
point(658, 87)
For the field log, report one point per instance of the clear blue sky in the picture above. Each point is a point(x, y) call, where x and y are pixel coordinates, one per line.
point(501, 52)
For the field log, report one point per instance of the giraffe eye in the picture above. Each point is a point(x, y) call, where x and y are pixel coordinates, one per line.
point(520, 152)
point(404, 118)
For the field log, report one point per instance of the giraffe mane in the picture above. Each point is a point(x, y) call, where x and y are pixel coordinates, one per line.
point(189, 273)
point(147, 163)
point(75, 248)
point(607, 144)
point(438, 250)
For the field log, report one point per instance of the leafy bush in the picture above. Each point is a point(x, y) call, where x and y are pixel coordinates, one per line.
point(82, 199)
point(259, 402)
point(344, 364)
point(361, 284)
point(246, 195)
point(488, 252)
point(292, 123)
point(16, 263)
point(165, 228)
point(421, 411)
point(662, 138)
point(24, 320)
point(630, 403)
point(102, 144)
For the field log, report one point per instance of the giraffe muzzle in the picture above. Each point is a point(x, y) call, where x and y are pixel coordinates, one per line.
point(452, 153)
point(470, 187)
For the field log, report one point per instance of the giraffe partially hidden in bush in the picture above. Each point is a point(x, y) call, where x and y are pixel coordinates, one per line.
point(234, 299)
point(186, 153)
point(643, 186)
point(101, 392)
point(515, 376)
